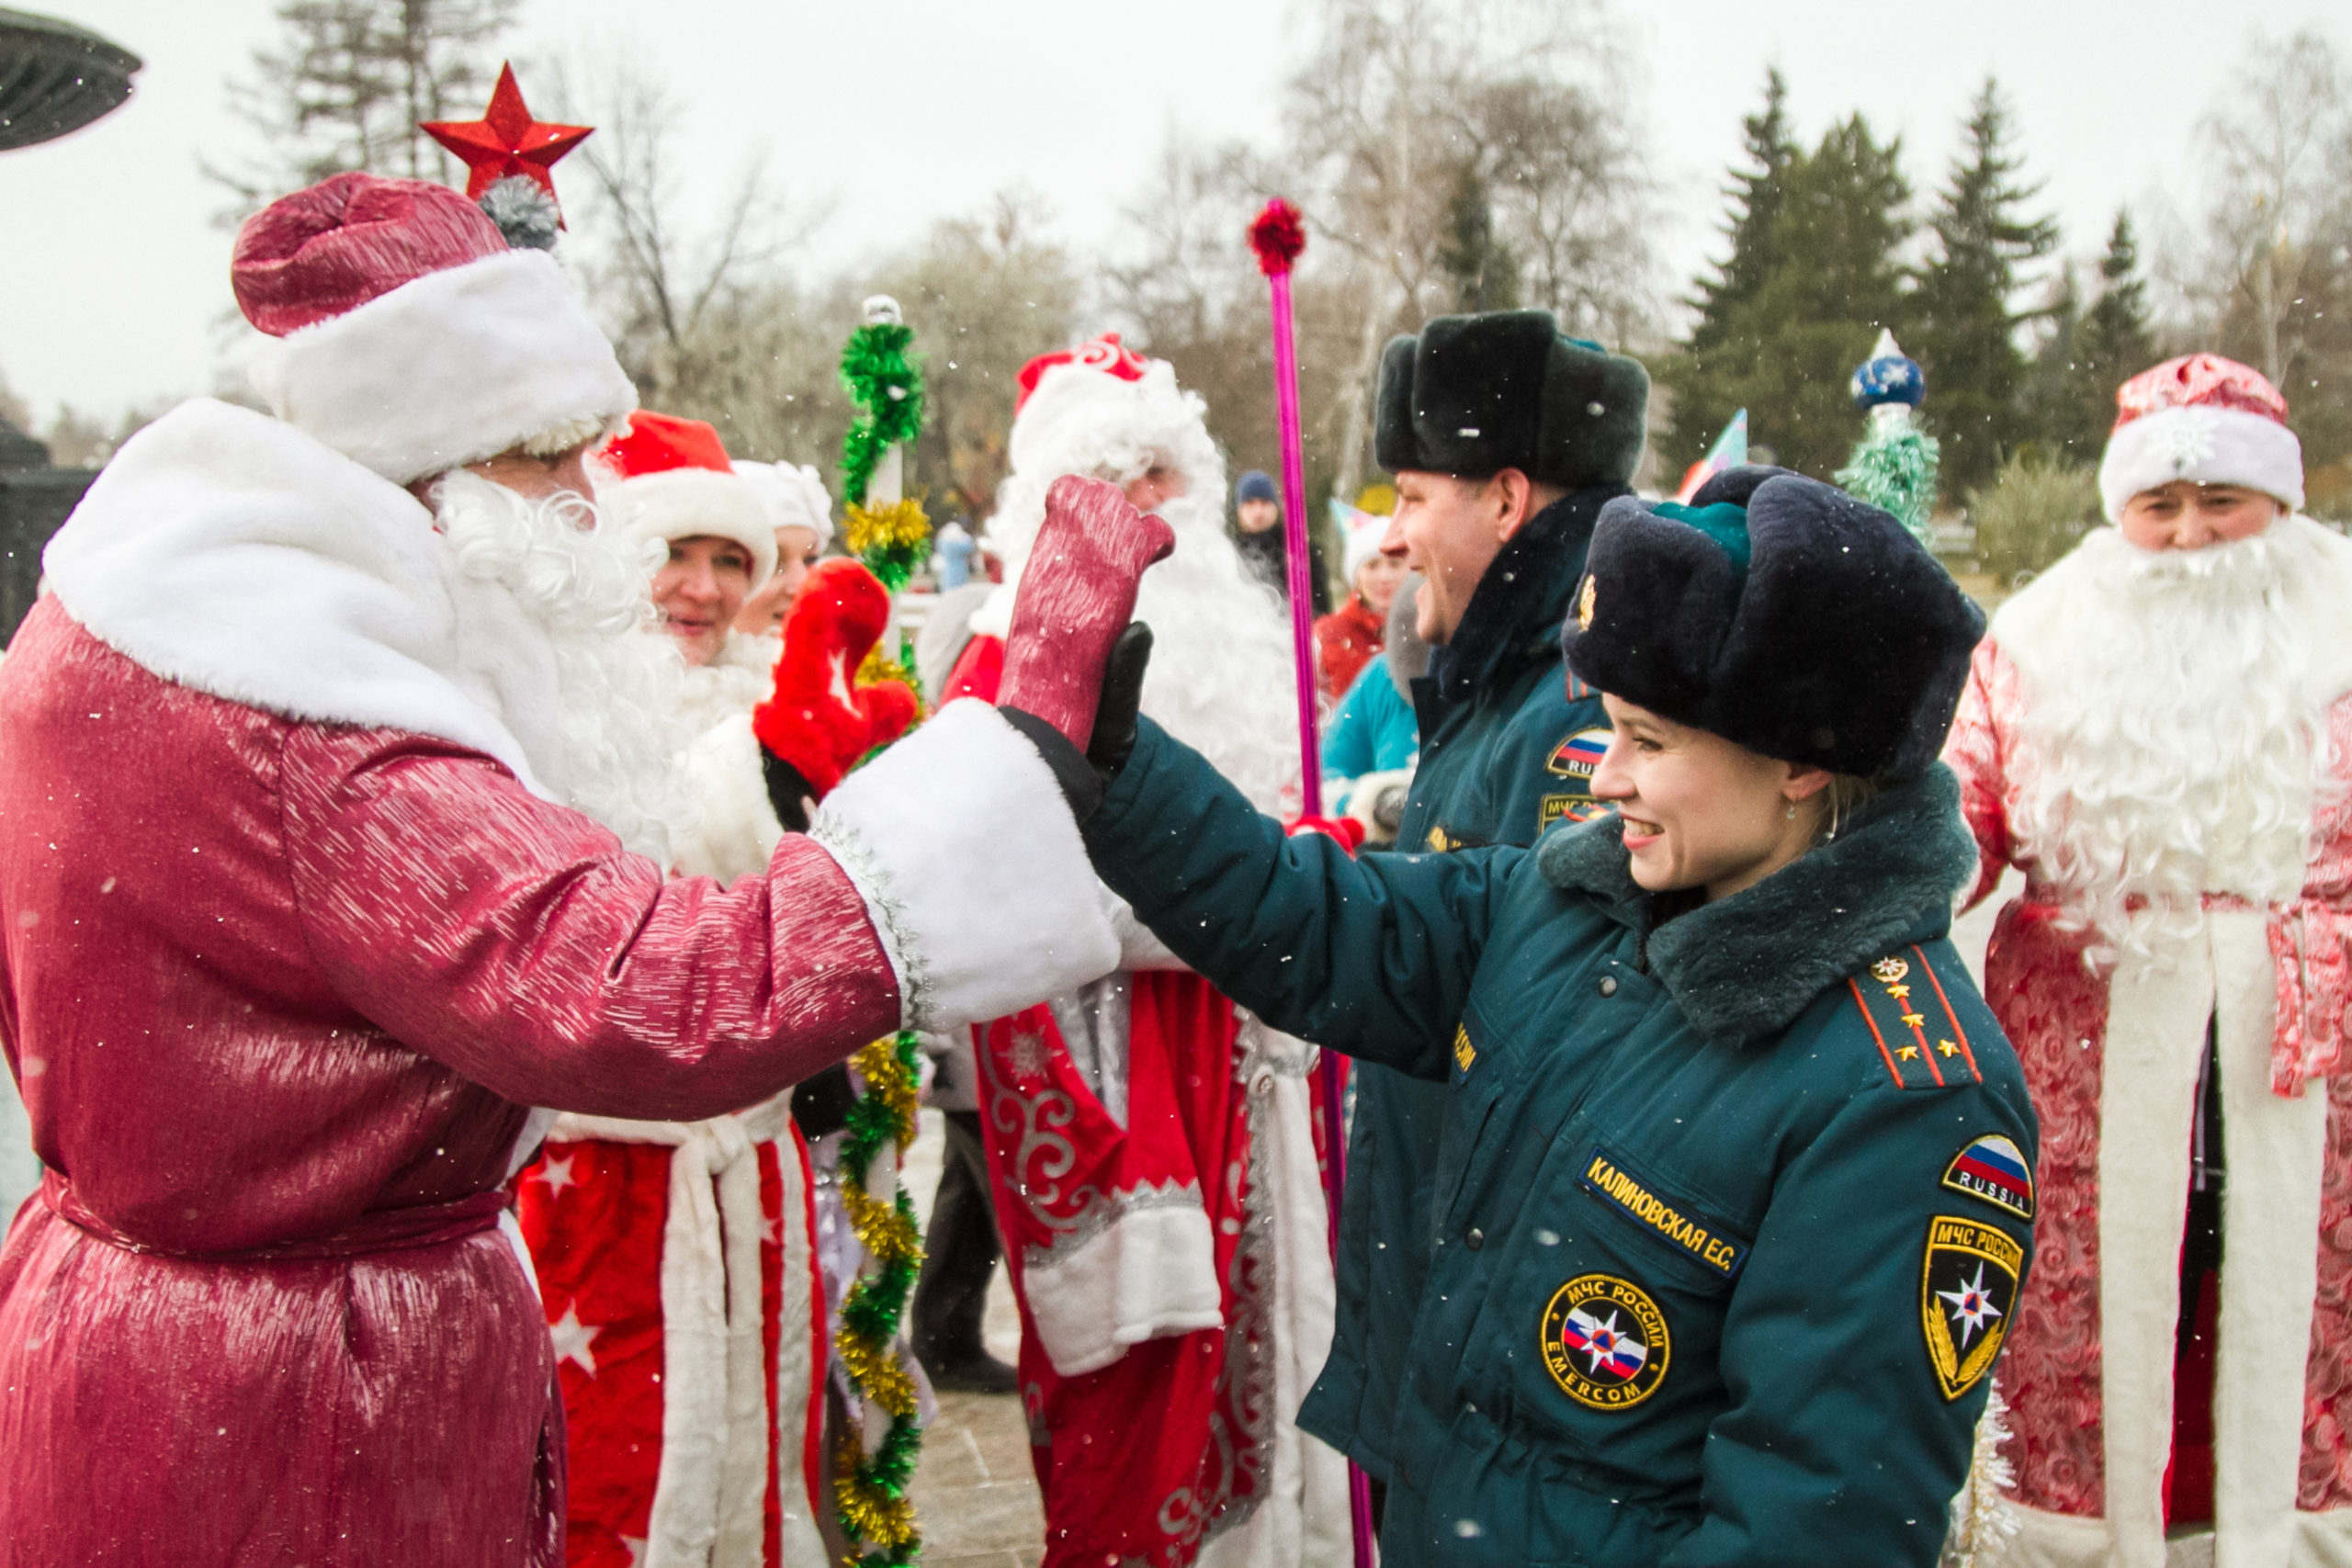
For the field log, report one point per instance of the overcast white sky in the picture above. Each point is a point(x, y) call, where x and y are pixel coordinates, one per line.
point(113, 280)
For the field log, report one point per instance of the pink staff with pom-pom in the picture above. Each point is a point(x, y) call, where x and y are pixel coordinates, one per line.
point(1278, 235)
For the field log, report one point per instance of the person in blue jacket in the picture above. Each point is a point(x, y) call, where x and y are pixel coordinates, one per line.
point(1735, 1193)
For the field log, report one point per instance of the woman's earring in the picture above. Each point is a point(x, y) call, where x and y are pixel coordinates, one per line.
point(1792, 811)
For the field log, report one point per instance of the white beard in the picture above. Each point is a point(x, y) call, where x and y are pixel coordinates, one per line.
point(739, 680)
point(1221, 673)
point(586, 588)
point(2173, 738)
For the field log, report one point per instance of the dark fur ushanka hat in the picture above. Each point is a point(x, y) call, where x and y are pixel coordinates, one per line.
point(1474, 395)
point(1779, 613)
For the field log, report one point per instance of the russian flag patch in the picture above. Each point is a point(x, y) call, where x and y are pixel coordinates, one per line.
point(1995, 1169)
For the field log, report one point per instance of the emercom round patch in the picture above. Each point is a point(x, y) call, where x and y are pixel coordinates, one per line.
point(1604, 1342)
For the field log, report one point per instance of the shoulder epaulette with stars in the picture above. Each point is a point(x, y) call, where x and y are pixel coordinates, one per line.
point(1911, 1020)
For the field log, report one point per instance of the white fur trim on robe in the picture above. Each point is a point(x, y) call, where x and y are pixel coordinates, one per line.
point(710, 1487)
point(1301, 1519)
point(2273, 1150)
point(2065, 1540)
point(980, 925)
point(231, 553)
point(1150, 1272)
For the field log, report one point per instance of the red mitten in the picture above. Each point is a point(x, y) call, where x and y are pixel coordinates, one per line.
point(1347, 830)
point(818, 719)
point(1078, 593)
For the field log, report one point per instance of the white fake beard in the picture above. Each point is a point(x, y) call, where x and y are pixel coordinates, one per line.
point(736, 682)
point(1221, 677)
point(586, 588)
point(2171, 744)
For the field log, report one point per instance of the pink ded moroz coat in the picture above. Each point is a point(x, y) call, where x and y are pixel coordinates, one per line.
point(2112, 1057)
point(281, 981)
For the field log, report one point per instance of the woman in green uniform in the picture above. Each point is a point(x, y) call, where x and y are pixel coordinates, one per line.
point(1736, 1192)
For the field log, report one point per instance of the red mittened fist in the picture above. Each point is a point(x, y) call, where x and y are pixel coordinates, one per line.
point(1078, 592)
point(1347, 830)
point(818, 719)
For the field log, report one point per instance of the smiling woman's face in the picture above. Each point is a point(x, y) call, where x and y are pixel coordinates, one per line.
point(1701, 812)
point(700, 590)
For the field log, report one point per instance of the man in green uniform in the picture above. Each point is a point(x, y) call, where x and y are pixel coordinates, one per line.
point(1506, 438)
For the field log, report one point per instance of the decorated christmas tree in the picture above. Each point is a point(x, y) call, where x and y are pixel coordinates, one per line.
point(1894, 466)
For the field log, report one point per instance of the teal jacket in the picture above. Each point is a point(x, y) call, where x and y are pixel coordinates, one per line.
point(1373, 730)
point(1730, 1210)
point(1507, 744)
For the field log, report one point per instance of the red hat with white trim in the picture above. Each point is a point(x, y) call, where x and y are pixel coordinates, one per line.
point(2203, 418)
point(670, 478)
point(404, 334)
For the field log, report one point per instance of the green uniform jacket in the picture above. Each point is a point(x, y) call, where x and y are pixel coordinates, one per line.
point(1730, 1210)
point(1500, 761)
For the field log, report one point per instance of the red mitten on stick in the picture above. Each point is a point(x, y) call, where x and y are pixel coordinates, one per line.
point(818, 719)
point(1078, 592)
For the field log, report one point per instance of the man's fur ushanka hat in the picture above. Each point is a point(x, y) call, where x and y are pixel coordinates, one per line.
point(1474, 395)
point(1779, 613)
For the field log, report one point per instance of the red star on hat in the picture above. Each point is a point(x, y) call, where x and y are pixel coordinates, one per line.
point(506, 141)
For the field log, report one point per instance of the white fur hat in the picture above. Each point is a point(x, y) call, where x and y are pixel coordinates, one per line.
point(793, 495)
point(404, 335)
point(2205, 418)
point(669, 478)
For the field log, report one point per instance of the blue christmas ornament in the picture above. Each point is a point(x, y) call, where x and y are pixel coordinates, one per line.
point(1888, 377)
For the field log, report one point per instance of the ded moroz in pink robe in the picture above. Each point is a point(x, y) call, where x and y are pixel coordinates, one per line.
point(281, 992)
point(2113, 1057)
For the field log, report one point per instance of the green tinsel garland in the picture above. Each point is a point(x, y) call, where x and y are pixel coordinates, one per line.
point(1895, 471)
point(887, 391)
point(872, 1489)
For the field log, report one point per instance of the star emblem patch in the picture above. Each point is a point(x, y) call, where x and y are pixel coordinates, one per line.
point(1605, 1342)
point(1585, 597)
point(1968, 1285)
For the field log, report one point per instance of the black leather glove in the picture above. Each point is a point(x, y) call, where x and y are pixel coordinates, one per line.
point(788, 791)
point(1083, 778)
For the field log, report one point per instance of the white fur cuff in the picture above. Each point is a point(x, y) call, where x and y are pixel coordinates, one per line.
point(963, 849)
point(455, 367)
point(2207, 444)
point(1150, 1272)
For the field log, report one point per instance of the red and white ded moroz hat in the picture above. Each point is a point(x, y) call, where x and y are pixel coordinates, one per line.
point(409, 337)
point(2203, 418)
point(670, 479)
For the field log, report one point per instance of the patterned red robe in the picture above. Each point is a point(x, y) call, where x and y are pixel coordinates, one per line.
point(295, 937)
point(2112, 1061)
point(1165, 1229)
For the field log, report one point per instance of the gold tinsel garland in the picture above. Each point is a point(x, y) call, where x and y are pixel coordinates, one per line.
point(871, 1489)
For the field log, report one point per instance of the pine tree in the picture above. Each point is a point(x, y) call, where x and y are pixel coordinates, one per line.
point(1788, 347)
point(2069, 403)
point(1968, 323)
point(1474, 259)
point(2115, 341)
point(349, 80)
point(1716, 348)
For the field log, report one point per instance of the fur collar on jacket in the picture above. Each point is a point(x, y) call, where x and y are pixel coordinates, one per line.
point(1746, 967)
point(1514, 614)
